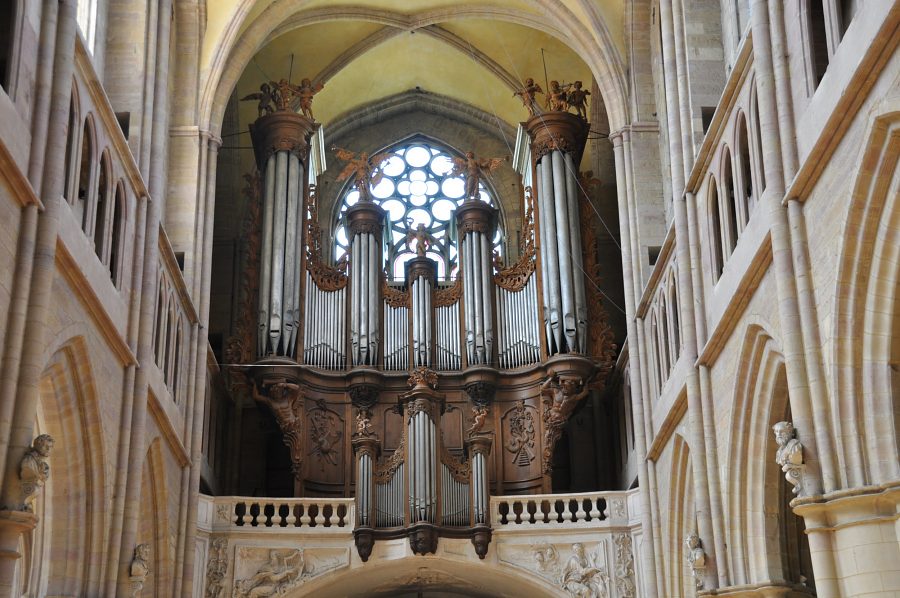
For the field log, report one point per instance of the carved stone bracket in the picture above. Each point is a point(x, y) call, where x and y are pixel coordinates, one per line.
point(423, 539)
point(790, 455)
point(695, 557)
point(363, 395)
point(139, 568)
point(34, 470)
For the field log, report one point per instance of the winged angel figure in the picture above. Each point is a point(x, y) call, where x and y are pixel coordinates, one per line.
point(473, 169)
point(365, 171)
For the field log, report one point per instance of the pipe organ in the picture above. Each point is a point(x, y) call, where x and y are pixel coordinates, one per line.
point(335, 342)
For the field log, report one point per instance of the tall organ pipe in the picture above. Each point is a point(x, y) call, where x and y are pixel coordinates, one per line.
point(575, 251)
point(364, 221)
point(551, 252)
point(563, 250)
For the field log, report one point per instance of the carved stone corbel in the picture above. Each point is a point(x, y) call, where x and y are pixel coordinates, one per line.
point(139, 569)
point(34, 470)
point(790, 455)
point(695, 557)
point(560, 397)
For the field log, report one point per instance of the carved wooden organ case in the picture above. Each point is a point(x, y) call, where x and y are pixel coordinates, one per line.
point(418, 400)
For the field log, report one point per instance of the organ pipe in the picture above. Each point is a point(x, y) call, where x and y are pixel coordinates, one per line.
point(476, 222)
point(281, 146)
point(364, 221)
point(557, 139)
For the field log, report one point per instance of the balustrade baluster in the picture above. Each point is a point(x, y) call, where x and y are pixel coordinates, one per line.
point(304, 519)
point(580, 513)
point(334, 519)
point(320, 516)
point(595, 512)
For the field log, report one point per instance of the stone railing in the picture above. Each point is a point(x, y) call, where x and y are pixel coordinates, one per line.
point(317, 515)
point(581, 510)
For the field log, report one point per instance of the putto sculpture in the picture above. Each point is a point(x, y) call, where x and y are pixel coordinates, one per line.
point(789, 454)
point(364, 169)
point(422, 238)
point(473, 169)
point(284, 95)
point(527, 93)
point(557, 98)
point(34, 470)
point(577, 98)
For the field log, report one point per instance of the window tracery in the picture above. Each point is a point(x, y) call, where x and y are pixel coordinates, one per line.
point(417, 187)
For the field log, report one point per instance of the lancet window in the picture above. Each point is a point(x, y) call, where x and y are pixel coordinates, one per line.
point(417, 186)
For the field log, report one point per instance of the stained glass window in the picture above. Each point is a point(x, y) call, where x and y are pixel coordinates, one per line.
point(418, 187)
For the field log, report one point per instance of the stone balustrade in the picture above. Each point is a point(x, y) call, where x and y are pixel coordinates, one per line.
point(318, 515)
point(590, 509)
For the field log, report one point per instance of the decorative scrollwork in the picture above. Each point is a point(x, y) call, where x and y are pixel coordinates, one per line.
point(601, 340)
point(448, 295)
point(386, 468)
point(458, 469)
point(393, 296)
point(516, 276)
point(328, 278)
point(422, 376)
point(237, 347)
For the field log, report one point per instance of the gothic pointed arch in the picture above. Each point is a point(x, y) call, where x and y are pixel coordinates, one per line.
point(867, 323)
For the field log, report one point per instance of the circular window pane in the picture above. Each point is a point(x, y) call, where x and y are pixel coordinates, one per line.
point(341, 237)
point(418, 175)
point(417, 156)
point(443, 209)
point(394, 166)
point(395, 209)
point(419, 216)
point(418, 200)
point(442, 165)
point(384, 188)
point(432, 188)
point(351, 198)
point(403, 187)
point(453, 187)
point(418, 188)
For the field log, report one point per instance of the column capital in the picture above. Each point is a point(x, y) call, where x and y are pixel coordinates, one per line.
point(561, 131)
point(475, 215)
point(365, 217)
point(281, 131)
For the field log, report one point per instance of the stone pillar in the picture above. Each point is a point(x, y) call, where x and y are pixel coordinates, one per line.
point(365, 220)
point(557, 141)
point(477, 222)
point(421, 272)
point(281, 145)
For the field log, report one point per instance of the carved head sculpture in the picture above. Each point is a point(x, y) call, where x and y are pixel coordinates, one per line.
point(570, 386)
point(529, 82)
point(142, 551)
point(578, 549)
point(577, 85)
point(43, 444)
point(554, 86)
point(305, 82)
point(784, 431)
point(470, 154)
point(692, 541)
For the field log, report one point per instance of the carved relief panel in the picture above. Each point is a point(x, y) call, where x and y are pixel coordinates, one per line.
point(518, 448)
point(326, 451)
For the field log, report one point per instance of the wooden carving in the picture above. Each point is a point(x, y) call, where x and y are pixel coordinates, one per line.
point(325, 434)
point(448, 295)
point(285, 399)
point(601, 340)
point(516, 276)
point(238, 346)
point(326, 277)
point(560, 397)
point(458, 469)
point(386, 468)
point(521, 436)
point(393, 296)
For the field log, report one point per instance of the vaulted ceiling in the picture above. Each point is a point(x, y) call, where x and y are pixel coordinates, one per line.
point(472, 52)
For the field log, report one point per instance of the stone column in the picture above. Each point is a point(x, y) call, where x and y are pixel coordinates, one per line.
point(421, 272)
point(281, 145)
point(557, 141)
point(365, 221)
point(477, 222)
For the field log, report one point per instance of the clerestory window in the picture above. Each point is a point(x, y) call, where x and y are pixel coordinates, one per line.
point(418, 187)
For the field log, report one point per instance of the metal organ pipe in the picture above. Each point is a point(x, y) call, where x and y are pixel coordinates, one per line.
point(549, 242)
point(355, 307)
point(564, 250)
point(575, 251)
